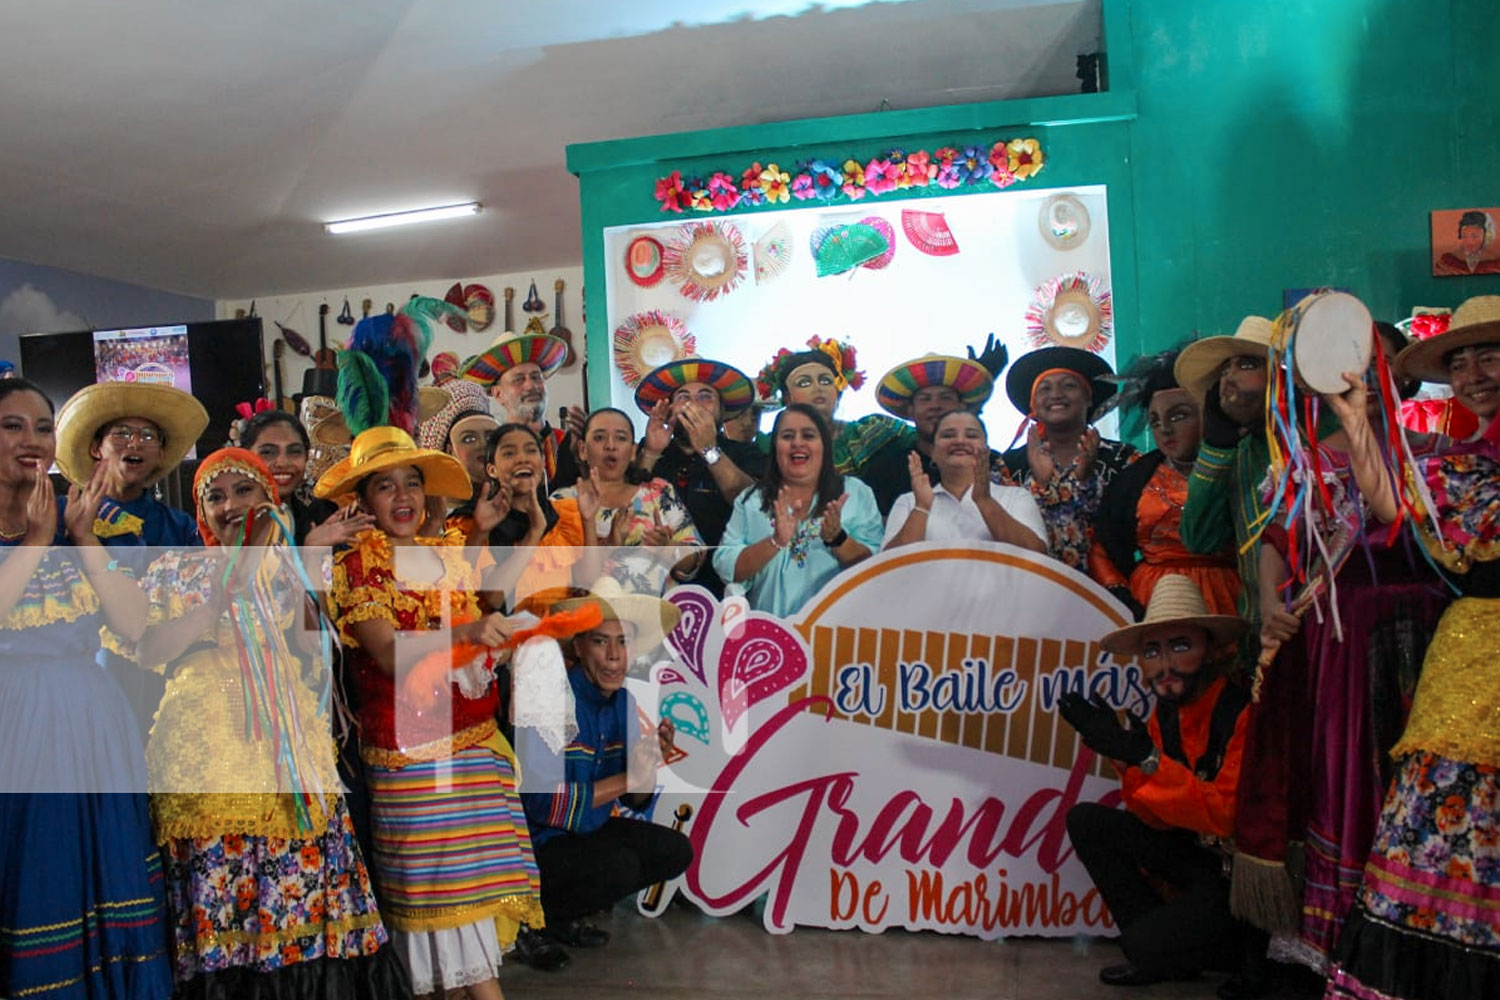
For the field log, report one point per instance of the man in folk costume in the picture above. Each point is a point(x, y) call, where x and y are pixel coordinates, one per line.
point(924, 391)
point(515, 370)
point(687, 403)
point(1179, 773)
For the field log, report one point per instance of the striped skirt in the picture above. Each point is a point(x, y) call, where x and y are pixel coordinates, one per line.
point(451, 845)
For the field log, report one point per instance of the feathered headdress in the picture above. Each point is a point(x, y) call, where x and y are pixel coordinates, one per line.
point(378, 370)
point(1147, 375)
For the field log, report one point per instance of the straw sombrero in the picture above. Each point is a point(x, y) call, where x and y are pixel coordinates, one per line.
point(1199, 362)
point(511, 349)
point(381, 448)
point(733, 385)
point(1023, 373)
point(652, 617)
point(181, 418)
point(971, 380)
point(706, 260)
point(1476, 321)
point(1175, 599)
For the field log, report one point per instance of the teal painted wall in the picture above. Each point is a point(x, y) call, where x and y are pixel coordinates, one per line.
point(1296, 143)
point(1250, 145)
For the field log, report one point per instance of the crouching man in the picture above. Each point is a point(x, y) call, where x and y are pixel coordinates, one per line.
point(588, 857)
point(1155, 862)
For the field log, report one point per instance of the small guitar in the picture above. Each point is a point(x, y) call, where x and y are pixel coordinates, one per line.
point(325, 358)
point(278, 349)
point(510, 296)
point(558, 330)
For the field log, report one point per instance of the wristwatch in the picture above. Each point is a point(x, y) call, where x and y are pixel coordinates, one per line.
point(712, 454)
point(1151, 763)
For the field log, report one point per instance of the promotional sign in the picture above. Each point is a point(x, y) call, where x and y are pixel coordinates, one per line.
point(892, 757)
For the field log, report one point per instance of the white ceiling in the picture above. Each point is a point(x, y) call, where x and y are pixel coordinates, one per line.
point(198, 145)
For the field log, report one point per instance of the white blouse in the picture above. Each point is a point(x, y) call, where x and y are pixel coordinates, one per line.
point(955, 519)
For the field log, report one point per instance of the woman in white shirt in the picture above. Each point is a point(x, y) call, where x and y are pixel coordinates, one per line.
point(966, 505)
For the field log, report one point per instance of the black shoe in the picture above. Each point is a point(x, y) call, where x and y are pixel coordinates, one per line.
point(1245, 986)
point(536, 949)
point(1129, 975)
point(578, 933)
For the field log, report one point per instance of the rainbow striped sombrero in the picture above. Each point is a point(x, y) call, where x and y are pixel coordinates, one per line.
point(968, 378)
point(512, 349)
point(735, 390)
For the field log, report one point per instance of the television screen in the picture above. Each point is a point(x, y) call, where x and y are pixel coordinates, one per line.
point(218, 362)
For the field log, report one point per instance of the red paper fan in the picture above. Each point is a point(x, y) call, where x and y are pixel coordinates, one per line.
point(929, 232)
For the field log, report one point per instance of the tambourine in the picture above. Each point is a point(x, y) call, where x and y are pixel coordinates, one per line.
point(1330, 333)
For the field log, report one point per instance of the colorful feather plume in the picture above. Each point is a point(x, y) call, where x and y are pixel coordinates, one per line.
point(1147, 375)
point(363, 398)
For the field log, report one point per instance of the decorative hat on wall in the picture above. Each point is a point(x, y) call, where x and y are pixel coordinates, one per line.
point(648, 340)
point(706, 260)
point(643, 261)
point(1064, 222)
point(1071, 310)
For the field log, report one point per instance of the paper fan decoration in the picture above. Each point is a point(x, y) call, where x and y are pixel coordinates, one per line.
point(648, 340)
point(643, 261)
point(1063, 221)
point(773, 253)
point(706, 260)
point(1071, 310)
point(929, 232)
point(886, 230)
point(837, 249)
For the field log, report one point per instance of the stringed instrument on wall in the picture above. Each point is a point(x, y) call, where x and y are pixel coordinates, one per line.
point(323, 378)
point(558, 330)
point(278, 350)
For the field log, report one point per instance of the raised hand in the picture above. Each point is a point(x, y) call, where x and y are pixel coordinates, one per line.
point(41, 511)
point(833, 521)
point(83, 505)
point(1088, 452)
point(1039, 455)
point(658, 535)
point(921, 486)
point(702, 432)
point(339, 528)
point(590, 496)
point(1349, 405)
point(491, 505)
point(993, 357)
point(981, 490)
point(491, 630)
point(786, 516)
point(659, 427)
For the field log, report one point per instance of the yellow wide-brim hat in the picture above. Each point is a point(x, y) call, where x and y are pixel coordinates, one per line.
point(1198, 365)
point(381, 448)
point(1476, 321)
point(1175, 600)
point(652, 617)
point(181, 418)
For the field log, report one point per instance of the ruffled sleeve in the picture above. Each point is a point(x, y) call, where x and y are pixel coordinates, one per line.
point(363, 586)
point(1464, 489)
point(176, 583)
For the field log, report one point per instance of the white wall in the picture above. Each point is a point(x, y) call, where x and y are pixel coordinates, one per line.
point(300, 312)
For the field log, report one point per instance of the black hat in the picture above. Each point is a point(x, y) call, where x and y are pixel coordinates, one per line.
point(1026, 369)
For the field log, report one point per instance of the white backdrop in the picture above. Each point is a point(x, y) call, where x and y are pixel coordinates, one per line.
point(917, 304)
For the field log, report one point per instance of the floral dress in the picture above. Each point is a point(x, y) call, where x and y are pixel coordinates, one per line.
point(1069, 502)
point(267, 890)
point(1426, 921)
point(642, 572)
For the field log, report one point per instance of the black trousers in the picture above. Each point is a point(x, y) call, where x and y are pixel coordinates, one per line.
point(583, 873)
point(1190, 929)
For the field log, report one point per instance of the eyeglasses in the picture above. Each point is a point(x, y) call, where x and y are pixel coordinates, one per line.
point(705, 398)
point(125, 435)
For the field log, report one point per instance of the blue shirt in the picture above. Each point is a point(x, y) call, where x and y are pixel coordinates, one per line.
point(606, 727)
point(800, 570)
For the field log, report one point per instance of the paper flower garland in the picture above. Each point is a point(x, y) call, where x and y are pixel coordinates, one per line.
point(1000, 165)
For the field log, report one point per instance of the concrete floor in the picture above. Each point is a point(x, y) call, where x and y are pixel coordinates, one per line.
point(685, 954)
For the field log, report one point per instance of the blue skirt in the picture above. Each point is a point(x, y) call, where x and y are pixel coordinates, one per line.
point(82, 907)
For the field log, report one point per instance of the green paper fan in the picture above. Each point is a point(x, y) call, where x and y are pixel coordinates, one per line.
point(847, 247)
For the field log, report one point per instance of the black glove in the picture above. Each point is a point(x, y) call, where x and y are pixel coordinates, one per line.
point(1101, 731)
point(1218, 429)
point(993, 357)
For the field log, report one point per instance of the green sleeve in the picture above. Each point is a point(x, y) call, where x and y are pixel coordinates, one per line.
point(1208, 516)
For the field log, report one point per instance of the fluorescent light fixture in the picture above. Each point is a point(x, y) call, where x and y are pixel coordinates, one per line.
point(402, 218)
